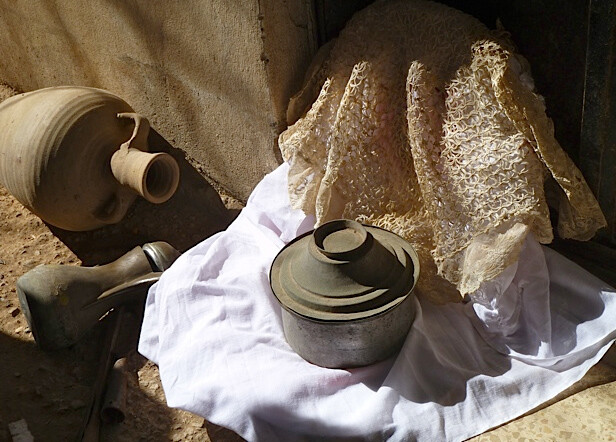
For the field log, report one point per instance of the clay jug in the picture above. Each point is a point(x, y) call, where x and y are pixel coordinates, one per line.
point(77, 156)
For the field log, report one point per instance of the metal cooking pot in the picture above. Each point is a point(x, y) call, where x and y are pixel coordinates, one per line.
point(347, 293)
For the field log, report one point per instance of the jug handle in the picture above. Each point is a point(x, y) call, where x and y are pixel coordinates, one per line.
point(139, 138)
point(114, 209)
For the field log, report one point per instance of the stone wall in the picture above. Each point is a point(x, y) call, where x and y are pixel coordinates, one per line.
point(213, 76)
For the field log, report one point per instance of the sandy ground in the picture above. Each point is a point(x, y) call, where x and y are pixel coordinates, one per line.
point(51, 390)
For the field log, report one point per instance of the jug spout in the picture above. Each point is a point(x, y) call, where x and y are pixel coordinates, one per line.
point(154, 176)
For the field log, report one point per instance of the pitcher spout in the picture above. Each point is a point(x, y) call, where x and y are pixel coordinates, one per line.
point(154, 176)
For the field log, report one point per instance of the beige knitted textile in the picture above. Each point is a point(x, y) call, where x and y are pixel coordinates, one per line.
point(424, 122)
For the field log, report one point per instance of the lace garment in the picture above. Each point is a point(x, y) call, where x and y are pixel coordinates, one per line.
point(423, 121)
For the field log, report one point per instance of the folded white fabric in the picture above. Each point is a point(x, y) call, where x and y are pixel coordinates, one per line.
point(213, 326)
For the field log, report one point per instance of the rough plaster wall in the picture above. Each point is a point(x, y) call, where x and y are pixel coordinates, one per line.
point(213, 76)
point(290, 41)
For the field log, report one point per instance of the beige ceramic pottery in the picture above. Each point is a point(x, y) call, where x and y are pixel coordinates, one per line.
point(76, 156)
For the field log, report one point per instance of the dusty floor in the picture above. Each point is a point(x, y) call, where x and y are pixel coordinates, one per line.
point(51, 390)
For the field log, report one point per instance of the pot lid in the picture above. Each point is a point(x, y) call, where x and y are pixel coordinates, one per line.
point(344, 271)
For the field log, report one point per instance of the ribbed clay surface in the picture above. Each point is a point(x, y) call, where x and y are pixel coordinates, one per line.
point(55, 147)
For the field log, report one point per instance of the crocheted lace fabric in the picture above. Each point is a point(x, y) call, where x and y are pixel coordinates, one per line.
point(423, 121)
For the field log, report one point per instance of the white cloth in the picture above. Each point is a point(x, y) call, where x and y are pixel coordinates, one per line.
point(213, 326)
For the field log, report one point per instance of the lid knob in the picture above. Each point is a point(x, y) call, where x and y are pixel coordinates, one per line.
point(341, 240)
